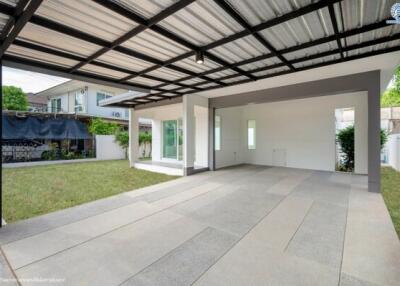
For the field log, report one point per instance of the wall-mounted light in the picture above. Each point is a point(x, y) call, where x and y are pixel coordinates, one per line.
point(199, 57)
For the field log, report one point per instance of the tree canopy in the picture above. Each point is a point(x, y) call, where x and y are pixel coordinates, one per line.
point(391, 97)
point(14, 98)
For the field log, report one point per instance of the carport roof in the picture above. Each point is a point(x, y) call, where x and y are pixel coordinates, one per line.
point(150, 46)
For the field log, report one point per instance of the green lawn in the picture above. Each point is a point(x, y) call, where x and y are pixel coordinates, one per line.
point(33, 191)
point(391, 194)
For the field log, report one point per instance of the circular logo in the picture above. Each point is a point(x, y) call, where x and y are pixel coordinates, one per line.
point(395, 11)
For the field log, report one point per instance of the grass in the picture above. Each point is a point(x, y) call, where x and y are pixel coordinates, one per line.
point(32, 191)
point(391, 194)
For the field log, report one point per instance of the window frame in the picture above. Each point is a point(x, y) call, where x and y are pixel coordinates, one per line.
point(105, 95)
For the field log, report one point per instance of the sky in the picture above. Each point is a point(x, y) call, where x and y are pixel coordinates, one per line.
point(30, 81)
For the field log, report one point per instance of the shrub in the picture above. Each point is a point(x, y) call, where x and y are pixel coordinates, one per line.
point(345, 138)
point(98, 126)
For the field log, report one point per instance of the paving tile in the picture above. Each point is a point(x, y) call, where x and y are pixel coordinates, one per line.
point(29, 227)
point(372, 248)
point(6, 276)
point(321, 188)
point(288, 184)
point(237, 212)
point(320, 237)
point(33, 248)
point(348, 280)
point(117, 256)
point(279, 226)
point(185, 195)
point(198, 202)
point(183, 265)
point(253, 263)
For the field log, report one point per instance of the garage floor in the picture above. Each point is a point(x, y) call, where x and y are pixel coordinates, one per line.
point(247, 225)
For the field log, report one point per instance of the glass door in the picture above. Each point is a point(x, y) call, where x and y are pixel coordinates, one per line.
point(170, 139)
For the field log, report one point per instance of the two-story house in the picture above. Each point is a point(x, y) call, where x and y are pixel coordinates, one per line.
point(83, 98)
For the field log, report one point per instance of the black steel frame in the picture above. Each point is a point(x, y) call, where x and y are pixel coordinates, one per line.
point(19, 17)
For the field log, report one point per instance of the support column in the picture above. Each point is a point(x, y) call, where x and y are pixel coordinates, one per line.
point(1, 141)
point(188, 135)
point(211, 140)
point(374, 129)
point(133, 149)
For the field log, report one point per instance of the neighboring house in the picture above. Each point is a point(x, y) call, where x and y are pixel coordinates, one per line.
point(36, 102)
point(83, 98)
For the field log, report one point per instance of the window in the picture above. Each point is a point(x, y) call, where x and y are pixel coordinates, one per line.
point(251, 134)
point(102, 95)
point(217, 133)
point(56, 105)
point(79, 100)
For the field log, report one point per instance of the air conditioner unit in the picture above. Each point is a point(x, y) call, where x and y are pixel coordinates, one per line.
point(116, 114)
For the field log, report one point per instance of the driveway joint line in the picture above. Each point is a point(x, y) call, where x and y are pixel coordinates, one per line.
point(240, 239)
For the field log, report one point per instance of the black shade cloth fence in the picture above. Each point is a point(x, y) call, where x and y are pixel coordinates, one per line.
point(33, 127)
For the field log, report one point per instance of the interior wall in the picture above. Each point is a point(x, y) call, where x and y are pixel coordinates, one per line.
point(231, 152)
point(295, 133)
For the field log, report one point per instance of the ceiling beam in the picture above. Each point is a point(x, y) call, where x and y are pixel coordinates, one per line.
point(70, 56)
point(335, 29)
point(152, 25)
point(238, 18)
point(143, 24)
point(38, 66)
point(19, 8)
point(342, 35)
point(311, 57)
point(22, 14)
point(58, 27)
point(262, 26)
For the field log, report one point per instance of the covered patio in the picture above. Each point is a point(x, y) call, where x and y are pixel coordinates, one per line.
point(246, 225)
point(244, 91)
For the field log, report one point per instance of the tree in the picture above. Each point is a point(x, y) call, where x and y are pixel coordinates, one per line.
point(14, 98)
point(345, 138)
point(391, 97)
point(98, 126)
point(122, 138)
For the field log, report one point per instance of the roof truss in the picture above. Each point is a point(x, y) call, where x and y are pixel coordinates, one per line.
point(24, 12)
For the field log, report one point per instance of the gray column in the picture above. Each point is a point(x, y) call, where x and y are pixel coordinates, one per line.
point(211, 131)
point(188, 135)
point(374, 128)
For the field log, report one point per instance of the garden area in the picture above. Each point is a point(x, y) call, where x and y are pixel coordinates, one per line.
point(391, 194)
point(33, 191)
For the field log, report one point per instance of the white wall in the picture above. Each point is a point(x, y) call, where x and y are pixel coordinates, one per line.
point(93, 109)
point(231, 152)
point(393, 145)
point(108, 149)
point(301, 133)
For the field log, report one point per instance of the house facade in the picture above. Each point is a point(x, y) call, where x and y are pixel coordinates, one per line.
point(83, 98)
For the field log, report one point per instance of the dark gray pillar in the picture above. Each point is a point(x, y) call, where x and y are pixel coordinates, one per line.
point(1, 142)
point(374, 128)
point(211, 130)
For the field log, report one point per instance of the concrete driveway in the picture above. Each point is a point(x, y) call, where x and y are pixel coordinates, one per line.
point(248, 225)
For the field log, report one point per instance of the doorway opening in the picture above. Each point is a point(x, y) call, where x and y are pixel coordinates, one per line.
point(344, 139)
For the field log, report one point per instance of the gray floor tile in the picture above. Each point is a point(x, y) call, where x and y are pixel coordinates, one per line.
point(185, 264)
point(320, 237)
point(348, 280)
